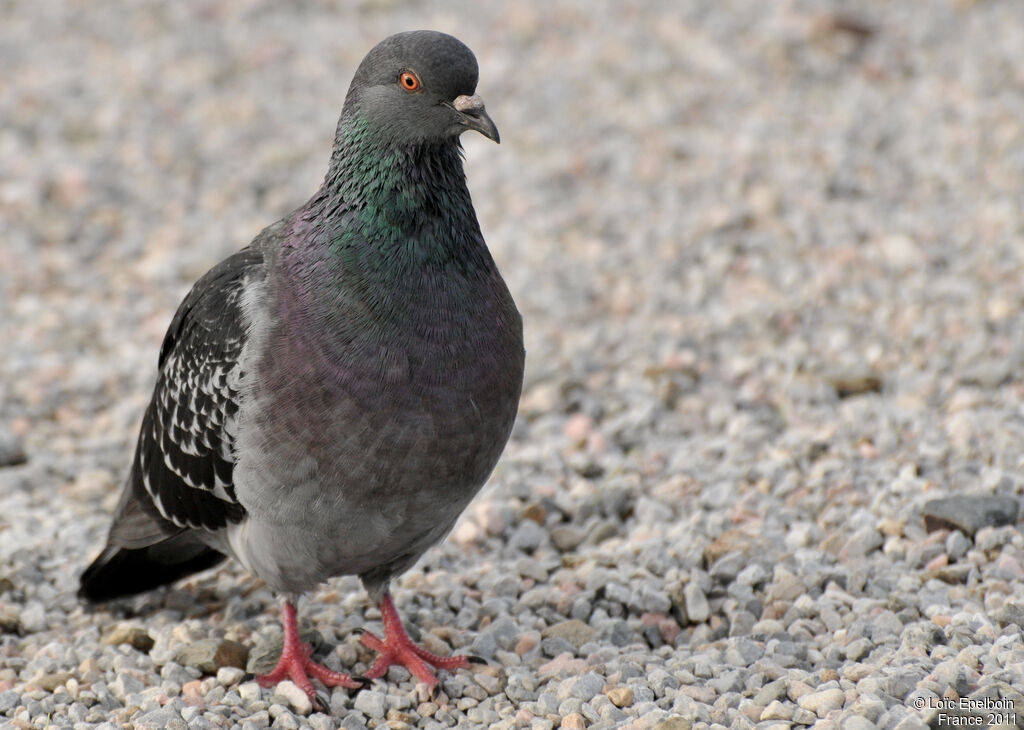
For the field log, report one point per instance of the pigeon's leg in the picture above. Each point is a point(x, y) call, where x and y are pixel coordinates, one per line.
point(398, 648)
point(295, 663)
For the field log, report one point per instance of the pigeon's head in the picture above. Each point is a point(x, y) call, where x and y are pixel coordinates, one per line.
point(419, 87)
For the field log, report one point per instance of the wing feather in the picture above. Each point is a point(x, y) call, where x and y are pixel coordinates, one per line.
point(185, 454)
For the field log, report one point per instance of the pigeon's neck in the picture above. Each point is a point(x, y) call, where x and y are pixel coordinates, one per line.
point(395, 197)
point(390, 241)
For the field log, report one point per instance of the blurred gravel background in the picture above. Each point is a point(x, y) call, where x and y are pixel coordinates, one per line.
point(771, 261)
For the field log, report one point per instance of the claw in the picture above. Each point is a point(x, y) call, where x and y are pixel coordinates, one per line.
point(295, 664)
point(397, 648)
point(320, 702)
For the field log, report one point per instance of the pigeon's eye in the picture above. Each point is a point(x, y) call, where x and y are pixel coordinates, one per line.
point(409, 81)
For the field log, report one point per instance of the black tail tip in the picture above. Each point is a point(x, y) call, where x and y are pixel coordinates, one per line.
point(120, 572)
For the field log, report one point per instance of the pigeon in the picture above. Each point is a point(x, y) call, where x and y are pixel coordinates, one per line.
point(331, 397)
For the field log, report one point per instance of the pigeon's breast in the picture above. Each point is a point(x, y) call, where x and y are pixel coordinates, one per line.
point(360, 453)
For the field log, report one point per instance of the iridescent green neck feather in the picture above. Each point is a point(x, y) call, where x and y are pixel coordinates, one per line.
point(410, 200)
point(391, 239)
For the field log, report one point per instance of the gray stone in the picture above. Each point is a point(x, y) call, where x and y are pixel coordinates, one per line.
point(124, 685)
point(698, 610)
point(923, 635)
point(618, 632)
point(772, 691)
point(548, 702)
point(661, 682)
point(884, 625)
point(528, 536)
point(1010, 613)
point(228, 676)
point(353, 721)
point(587, 686)
point(785, 586)
point(505, 632)
point(530, 568)
point(901, 683)
point(855, 722)
point(619, 593)
point(743, 652)
point(555, 645)
point(9, 700)
point(166, 718)
point(250, 692)
point(372, 703)
point(730, 681)
point(752, 575)
point(727, 567)
point(823, 702)
point(741, 623)
point(566, 537)
point(957, 545)
point(320, 721)
point(970, 513)
point(484, 645)
point(858, 649)
point(861, 542)
point(295, 697)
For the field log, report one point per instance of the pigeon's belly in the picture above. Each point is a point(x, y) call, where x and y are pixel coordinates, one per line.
point(358, 470)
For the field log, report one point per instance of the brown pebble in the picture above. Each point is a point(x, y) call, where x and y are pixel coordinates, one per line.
point(798, 689)
point(10, 622)
point(891, 527)
point(573, 721)
point(192, 692)
point(526, 644)
point(209, 655)
point(701, 693)
point(524, 716)
point(563, 663)
point(536, 512)
point(399, 716)
point(752, 711)
point(621, 696)
point(231, 654)
point(50, 681)
point(89, 671)
point(134, 636)
point(574, 631)
point(577, 428)
point(426, 709)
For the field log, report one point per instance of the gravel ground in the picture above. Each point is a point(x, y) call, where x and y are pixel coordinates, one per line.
point(770, 257)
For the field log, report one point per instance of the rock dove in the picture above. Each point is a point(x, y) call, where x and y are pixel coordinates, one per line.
point(331, 397)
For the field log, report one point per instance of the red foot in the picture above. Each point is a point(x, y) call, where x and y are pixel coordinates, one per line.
point(296, 665)
point(398, 648)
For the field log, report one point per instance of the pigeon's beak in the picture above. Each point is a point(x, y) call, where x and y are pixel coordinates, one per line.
point(474, 116)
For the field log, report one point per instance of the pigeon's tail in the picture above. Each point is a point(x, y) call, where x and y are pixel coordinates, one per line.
point(120, 572)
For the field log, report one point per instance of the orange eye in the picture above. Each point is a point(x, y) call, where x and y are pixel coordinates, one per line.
point(409, 81)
